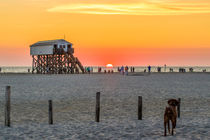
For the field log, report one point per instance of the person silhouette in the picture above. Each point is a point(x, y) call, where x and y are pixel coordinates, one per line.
point(126, 70)
point(122, 70)
point(149, 68)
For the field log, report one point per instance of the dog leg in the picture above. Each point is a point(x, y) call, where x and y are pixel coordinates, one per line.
point(172, 131)
point(173, 126)
point(169, 126)
point(164, 128)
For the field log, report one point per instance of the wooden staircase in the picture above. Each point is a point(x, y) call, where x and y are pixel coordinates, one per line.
point(80, 65)
point(76, 63)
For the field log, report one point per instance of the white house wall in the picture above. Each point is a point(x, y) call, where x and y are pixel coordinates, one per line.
point(41, 50)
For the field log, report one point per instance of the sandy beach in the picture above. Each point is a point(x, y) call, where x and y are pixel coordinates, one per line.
point(74, 106)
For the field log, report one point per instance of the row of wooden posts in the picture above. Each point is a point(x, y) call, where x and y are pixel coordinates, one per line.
point(97, 112)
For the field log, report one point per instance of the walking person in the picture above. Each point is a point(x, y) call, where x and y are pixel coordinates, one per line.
point(159, 69)
point(149, 68)
point(122, 70)
point(99, 69)
point(88, 69)
point(126, 70)
point(118, 69)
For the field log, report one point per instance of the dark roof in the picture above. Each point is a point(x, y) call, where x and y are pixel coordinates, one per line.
point(49, 42)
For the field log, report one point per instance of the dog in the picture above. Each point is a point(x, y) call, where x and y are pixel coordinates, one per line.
point(170, 115)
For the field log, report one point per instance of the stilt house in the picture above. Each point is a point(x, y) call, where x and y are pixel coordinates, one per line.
point(55, 57)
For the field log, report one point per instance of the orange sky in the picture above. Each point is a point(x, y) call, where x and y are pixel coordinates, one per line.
point(138, 32)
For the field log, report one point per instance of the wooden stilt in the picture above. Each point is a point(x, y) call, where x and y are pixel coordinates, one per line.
point(56, 64)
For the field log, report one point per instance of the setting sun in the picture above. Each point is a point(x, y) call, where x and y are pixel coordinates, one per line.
point(109, 65)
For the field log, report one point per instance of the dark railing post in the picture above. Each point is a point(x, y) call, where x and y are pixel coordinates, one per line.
point(7, 106)
point(50, 112)
point(140, 108)
point(97, 107)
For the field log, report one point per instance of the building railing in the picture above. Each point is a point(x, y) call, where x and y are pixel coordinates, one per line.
point(62, 51)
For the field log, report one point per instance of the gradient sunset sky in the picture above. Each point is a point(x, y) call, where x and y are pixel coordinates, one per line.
point(121, 32)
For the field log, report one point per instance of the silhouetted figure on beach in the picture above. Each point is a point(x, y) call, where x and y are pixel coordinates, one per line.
point(159, 69)
point(126, 70)
point(118, 69)
point(133, 69)
point(182, 70)
point(122, 70)
point(99, 69)
point(149, 68)
point(191, 69)
point(88, 70)
point(171, 70)
point(0, 69)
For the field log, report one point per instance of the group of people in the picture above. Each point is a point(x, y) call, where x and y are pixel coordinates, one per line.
point(158, 69)
point(108, 71)
point(123, 70)
point(149, 69)
point(89, 69)
point(105, 70)
point(132, 69)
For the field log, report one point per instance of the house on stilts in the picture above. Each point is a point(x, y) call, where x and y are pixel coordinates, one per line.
point(54, 57)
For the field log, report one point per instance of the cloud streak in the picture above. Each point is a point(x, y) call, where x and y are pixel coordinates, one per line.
point(143, 8)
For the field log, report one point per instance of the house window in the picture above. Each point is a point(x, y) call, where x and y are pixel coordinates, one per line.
point(69, 46)
point(55, 46)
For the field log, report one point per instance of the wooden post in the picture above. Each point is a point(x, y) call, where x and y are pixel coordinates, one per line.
point(33, 64)
point(97, 107)
point(7, 106)
point(50, 112)
point(140, 108)
point(178, 107)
